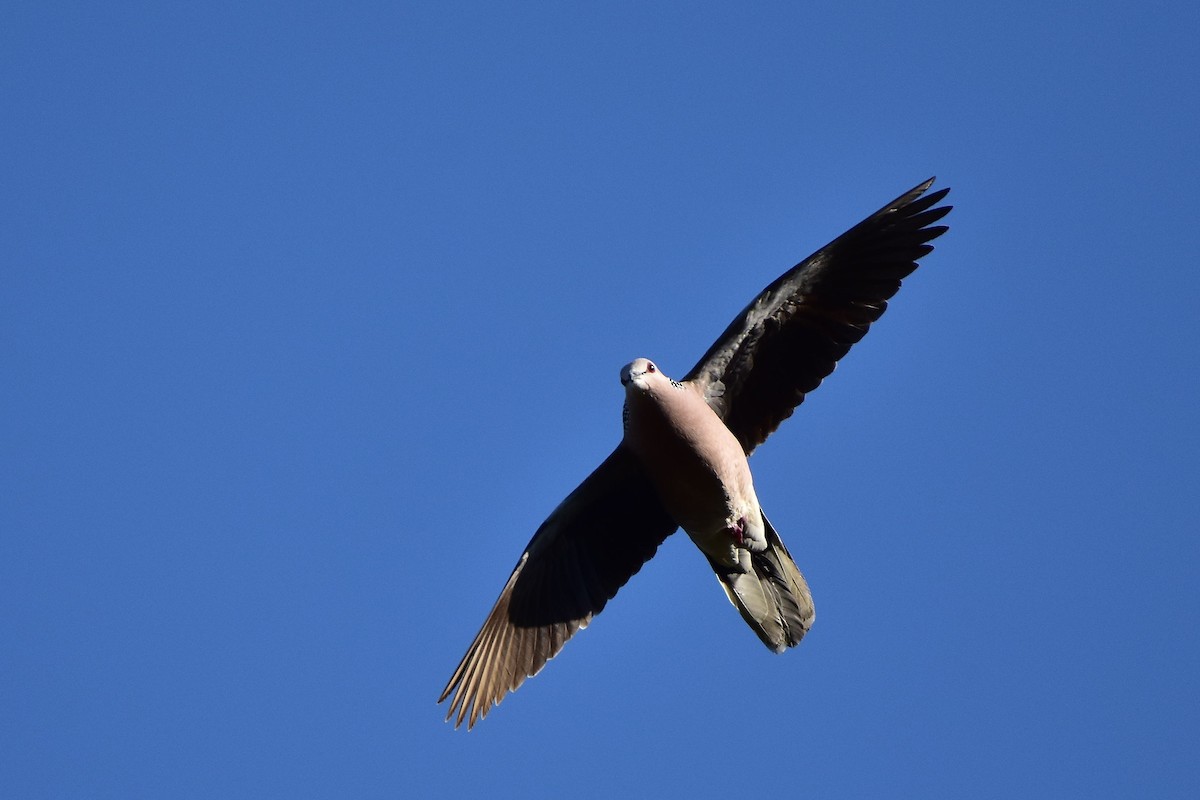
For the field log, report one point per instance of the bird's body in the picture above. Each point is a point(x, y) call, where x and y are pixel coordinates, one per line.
point(693, 460)
point(683, 462)
point(702, 476)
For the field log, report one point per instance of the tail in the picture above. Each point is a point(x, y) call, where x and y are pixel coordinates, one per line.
point(770, 594)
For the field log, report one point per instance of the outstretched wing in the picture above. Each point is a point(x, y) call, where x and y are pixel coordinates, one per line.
point(791, 336)
point(594, 542)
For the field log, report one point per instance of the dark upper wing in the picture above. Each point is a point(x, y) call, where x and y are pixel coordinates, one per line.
point(786, 341)
point(577, 560)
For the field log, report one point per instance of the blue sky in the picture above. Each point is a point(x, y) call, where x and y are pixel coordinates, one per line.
point(309, 314)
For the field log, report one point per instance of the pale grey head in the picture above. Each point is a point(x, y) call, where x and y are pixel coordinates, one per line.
point(639, 373)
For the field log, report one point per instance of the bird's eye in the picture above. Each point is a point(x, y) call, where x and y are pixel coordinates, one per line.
point(650, 368)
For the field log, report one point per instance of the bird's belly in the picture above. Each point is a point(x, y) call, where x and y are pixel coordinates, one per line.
point(704, 489)
point(697, 499)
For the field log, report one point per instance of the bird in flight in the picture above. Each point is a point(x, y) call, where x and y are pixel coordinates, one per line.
point(682, 462)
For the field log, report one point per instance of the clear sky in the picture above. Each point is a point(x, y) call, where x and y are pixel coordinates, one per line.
point(310, 313)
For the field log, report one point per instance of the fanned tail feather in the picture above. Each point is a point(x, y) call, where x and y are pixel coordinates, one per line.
point(772, 596)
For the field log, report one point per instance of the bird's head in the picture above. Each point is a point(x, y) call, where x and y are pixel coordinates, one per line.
point(641, 374)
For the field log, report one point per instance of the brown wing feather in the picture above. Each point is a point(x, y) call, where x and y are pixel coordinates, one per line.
point(792, 335)
point(594, 542)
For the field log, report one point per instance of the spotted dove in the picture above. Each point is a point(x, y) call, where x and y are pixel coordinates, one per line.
point(682, 462)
